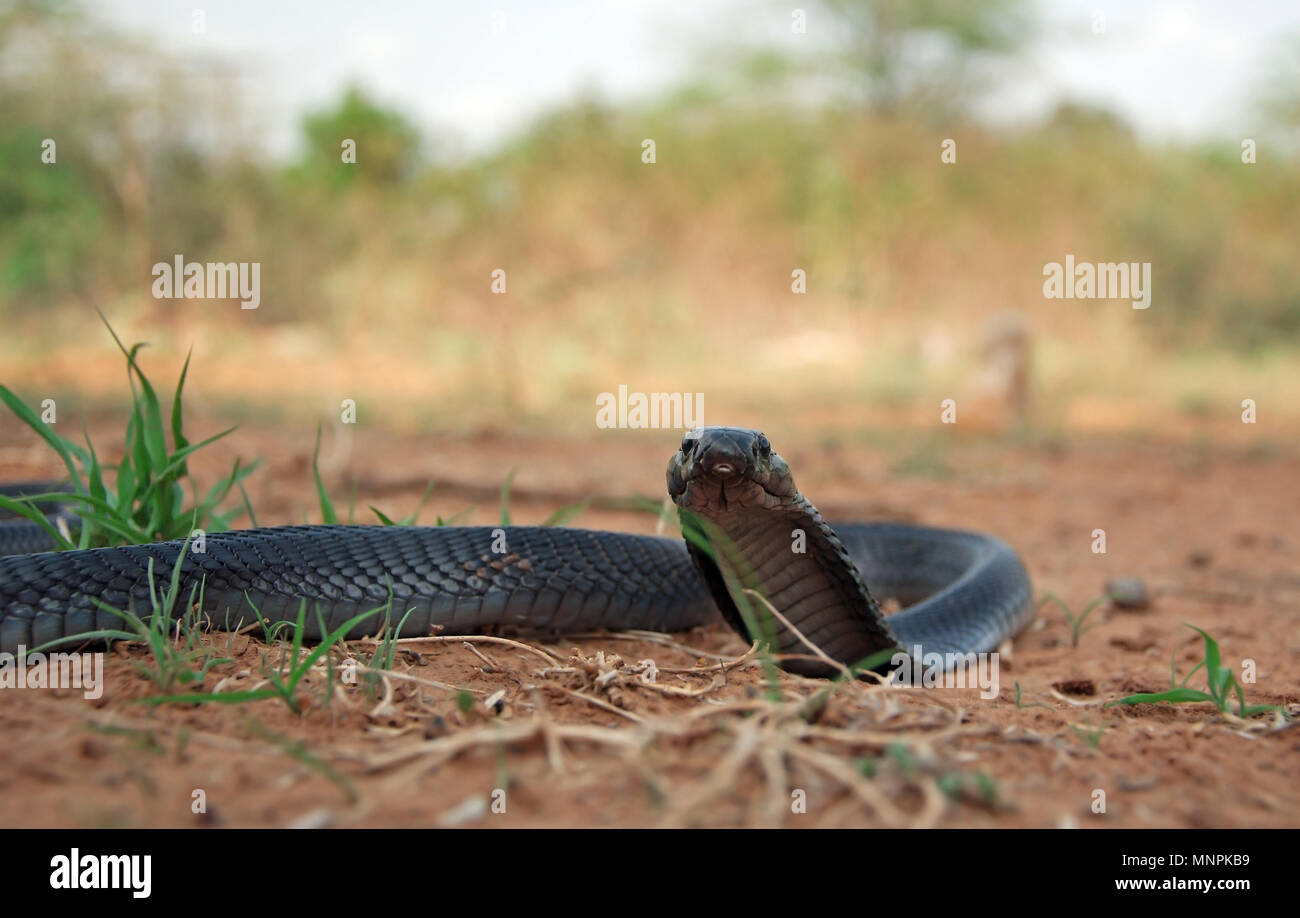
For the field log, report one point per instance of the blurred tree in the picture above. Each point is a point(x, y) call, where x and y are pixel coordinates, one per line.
point(387, 146)
point(897, 51)
point(1278, 95)
point(52, 206)
point(1076, 118)
point(103, 166)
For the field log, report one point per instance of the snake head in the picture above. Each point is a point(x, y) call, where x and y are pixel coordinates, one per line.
point(727, 465)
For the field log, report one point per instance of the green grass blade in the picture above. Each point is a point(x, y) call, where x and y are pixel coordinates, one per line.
point(326, 505)
point(99, 512)
point(137, 449)
point(27, 511)
point(562, 516)
point(206, 508)
point(248, 506)
point(1173, 696)
point(1216, 675)
point(455, 517)
point(155, 440)
point(299, 629)
point(414, 516)
point(178, 434)
point(323, 647)
point(1192, 672)
point(93, 513)
point(505, 497)
point(171, 468)
point(94, 474)
point(66, 449)
point(105, 635)
point(126, 483)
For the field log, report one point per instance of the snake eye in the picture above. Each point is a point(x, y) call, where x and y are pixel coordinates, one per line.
point(764, 447)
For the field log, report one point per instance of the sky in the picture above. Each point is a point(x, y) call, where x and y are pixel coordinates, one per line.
point(478, 71)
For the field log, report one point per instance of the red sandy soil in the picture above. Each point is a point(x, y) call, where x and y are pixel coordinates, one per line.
point(579, 738)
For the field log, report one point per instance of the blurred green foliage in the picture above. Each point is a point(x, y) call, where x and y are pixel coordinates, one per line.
point(880, 38)
point(391, 144)
point(837, 186)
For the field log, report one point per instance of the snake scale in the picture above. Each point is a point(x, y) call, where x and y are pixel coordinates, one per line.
point(757, 541)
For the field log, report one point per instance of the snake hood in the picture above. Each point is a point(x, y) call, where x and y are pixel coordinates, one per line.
point(754, 533)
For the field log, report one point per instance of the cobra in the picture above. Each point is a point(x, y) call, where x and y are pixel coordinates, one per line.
point(766, 545)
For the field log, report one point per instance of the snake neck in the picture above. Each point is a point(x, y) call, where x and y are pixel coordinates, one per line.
point(789, 555)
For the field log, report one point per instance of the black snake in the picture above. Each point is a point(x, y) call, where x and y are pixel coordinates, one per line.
point(755, 540)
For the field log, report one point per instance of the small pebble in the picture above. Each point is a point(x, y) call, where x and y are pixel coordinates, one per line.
point(496, 702)
point(314, 819)
point(471, 809)
point(1128, 593)
point(1138, 783)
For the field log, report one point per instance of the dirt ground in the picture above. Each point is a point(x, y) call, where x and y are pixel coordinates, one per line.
point(580, 735)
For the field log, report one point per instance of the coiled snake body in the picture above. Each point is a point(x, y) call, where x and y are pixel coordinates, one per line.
point(758, 541)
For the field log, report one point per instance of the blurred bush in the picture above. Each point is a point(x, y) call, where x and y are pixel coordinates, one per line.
point(751, 180)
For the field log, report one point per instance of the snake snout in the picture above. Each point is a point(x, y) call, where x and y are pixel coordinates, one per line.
point(726, 464)
point(721, 462)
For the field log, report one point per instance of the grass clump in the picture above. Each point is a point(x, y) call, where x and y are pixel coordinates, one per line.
point(1089, 733)
point(150, 501)
point(1022, 705)
point(180, 658)
point(329, 514)
point(285, 678)
point(1222, 685)
point(1076, 622)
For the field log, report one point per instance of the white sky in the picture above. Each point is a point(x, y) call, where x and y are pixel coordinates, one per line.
point(1171, 68)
